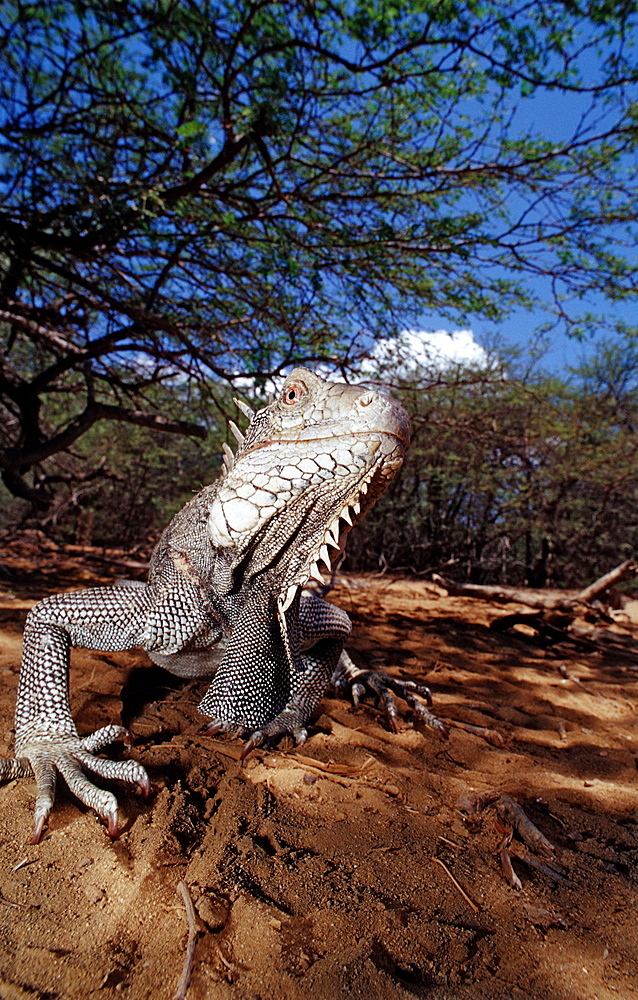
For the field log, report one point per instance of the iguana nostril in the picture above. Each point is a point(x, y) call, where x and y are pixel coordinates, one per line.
point(224, 598)
point(368, 398)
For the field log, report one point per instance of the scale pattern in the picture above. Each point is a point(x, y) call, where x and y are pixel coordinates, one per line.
point(224, 596)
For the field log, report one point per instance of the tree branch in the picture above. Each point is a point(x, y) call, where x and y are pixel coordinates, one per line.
point(15, 458)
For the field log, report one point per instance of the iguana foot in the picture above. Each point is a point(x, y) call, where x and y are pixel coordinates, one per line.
point(287, 723)
point(348, 679)
point(290, 722)
point(43, 755)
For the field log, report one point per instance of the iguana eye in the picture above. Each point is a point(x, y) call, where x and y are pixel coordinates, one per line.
point(292, 394)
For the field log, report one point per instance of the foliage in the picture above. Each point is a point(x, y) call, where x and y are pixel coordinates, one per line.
point(514, 478)
point(121, 483)
point(214, 188)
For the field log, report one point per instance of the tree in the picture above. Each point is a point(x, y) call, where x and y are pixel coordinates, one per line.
point(513, 476)
point(204, 189)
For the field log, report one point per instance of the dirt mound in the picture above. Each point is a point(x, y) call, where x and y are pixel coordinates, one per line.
point(356, 867)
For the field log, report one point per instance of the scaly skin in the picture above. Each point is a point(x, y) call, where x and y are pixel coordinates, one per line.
point(223, 598)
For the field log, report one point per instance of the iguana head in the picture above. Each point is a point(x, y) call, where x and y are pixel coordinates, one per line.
point(310, 465)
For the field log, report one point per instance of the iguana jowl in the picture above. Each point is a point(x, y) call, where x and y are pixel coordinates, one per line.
point(223, 596)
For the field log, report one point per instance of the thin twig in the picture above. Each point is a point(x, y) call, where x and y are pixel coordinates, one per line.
point(193, 931)
point(461, 890)
point(510, 874)
point(492, 736)
point(452, 843)
point(506, 861)
point(21, 864)
point(7, 902)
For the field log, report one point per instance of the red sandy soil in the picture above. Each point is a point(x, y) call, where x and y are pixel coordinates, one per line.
point(348, 869)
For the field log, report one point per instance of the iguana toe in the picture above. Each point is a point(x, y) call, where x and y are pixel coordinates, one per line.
point(47, 755)
point(103, 737)
point(44, 772)
point(38, 827)
point(17, 767)
point(111, 823)
point(221, 726)
point(360, 682)
point(290, 722)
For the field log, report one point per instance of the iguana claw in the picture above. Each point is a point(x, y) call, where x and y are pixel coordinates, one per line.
point(45, 755)
point(272, 733)
point(359, 682)
point(111, 823)
point(38, 827)
point(255, 740)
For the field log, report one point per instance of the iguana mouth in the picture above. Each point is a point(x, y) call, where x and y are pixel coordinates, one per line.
point(334, 537)
point(400, 435)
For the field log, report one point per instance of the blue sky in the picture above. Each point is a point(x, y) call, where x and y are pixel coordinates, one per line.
point(554, 115)
point(520, 329)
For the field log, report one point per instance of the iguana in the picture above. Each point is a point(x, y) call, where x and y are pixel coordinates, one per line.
point(224, 592)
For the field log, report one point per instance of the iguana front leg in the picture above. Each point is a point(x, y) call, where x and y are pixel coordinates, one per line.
point(253, 681)
point(322, 630)
point(47, 741)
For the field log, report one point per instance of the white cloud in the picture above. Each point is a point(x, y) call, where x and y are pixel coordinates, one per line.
point(408, 353)
point(436, 349)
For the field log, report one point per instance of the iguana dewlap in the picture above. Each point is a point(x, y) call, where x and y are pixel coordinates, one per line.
point(223, 597)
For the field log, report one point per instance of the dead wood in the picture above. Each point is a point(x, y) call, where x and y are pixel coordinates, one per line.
point(548, 630)
point(513, 815)
point(506, 861)
point(454, 881)
point(475, 802)
point(626, 568)
point(193, 932)
point(504, 595)
point(548, 868)
point(536, 598)
point(492, 736)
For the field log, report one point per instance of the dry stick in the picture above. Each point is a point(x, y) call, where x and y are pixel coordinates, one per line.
point(503, 595)
point(193, 931)
point(530, 859)
point(7, 902)
point(21, 864)
point(506, 861)
point(492, 736)
point(602, 583)
point(536, 598)
point(461, 890)
point(510, 874)
point(512, 813)
point(475, 802)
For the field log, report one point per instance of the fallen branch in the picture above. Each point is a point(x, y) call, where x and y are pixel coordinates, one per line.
point(514, 816)
point(475, 802)
point(504, 595)
point(511, 817)
point(546, 867)
point(536, 598)
point(626, 568)
point(492, 736)
point(547, 628)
